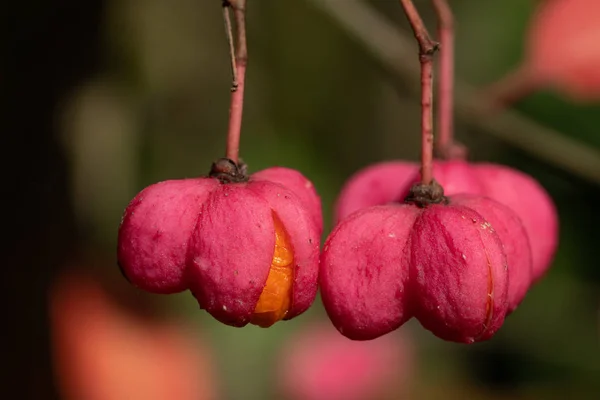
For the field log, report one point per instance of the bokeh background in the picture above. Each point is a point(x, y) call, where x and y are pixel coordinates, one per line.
point(103, 98)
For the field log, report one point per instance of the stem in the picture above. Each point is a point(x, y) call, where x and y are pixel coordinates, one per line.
point(427, 48)
point(229, 33)
point(445, 144)
point(513, 87)
point(238, 62)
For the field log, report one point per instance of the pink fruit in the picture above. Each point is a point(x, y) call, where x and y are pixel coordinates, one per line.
point(247, 249)
point(297, 183)
point(528, 199)
point(374, 185)
point(562, 46)
point(518, 191)
point(515, 242)
point(364, 276)
point(560, 53)
point(155, 230)
point(390, 182)
point(317, 363)
point(456, 176)
point(435, 258)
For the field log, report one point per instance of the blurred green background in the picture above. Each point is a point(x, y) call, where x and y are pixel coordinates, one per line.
point(108, 97)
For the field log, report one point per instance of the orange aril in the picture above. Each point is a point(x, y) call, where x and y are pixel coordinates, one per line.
point(276, 297)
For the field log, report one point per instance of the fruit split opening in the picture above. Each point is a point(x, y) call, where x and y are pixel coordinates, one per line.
point(276, 297)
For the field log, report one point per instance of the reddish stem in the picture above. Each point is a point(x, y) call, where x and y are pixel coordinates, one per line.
point(445, 144)
point(239, 61)
point(511, 88)
point(427, 48)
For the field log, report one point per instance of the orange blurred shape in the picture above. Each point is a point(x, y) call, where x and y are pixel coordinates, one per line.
point(318, 363)
point(103, 352)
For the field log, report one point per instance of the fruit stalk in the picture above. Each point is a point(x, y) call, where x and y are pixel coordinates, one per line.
point(427, 48)
point(445, 145)
point(239, 58)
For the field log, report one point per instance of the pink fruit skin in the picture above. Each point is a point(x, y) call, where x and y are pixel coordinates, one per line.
point(375, 185)
point(515, 241)
point(531, 202)
point(457, 283)
point(154, 232)
point(458, 274)
point(457, 177)
point(230, 253)
point(231, 249)
point(297, 183)
point(391, 181)
point(364, 273)
point(562, 46)
point(516, 190)
point(218, 240)
point(317, 363)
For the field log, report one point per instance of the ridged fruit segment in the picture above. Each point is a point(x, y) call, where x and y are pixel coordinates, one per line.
point(458, 274)
point(364, 272)
point(230, 253)
point(507, 224)
point(378, 184)
point(155, 230)
point(530, 201)
point(297, 183)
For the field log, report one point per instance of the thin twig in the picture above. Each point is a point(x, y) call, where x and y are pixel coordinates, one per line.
point(427, 48)
point(229, 34)
point(445, 145)
point(237, 96)
point(393, 49)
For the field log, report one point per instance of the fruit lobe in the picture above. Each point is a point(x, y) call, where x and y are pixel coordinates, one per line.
point(363, 276)
point(230, 253)
point(515, 242)
point(458, 273)
point(528, 199)
point(375, 185)
point(228, 277)
point(154, 233)
point(297, 183)
point(457, 176)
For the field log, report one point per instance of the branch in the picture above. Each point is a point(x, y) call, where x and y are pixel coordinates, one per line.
point(394, 51)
